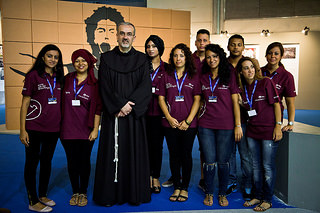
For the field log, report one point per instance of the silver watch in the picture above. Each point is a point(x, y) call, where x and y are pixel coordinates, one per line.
point(279, 122)
point(290, 123)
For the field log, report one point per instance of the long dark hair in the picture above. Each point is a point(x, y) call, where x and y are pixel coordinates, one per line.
point(240, 79)
point(189, 66)
point(223, 67)
point(39, 64)
point(276, 44)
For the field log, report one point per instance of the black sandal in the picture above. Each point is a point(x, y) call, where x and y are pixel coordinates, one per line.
point(184, 197)
point(174, 197)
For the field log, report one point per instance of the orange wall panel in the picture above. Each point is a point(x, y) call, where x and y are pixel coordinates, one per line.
point(44, 31)
point(11, 27)
point(13, 79)
point(141, 36)
point(46, 10)
point(69, 12)
point(165, 34)
point(67, 50)
point(161, 18)
point(13, 118)
point(181, 19)
point(141, 17)
point(11, 52)
point(125, 11)
point(71, 33)
point(16, 9)
point(181, 36)
point(13, 101)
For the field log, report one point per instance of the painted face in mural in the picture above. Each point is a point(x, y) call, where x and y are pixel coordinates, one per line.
point(125, 37)
point(105, 35)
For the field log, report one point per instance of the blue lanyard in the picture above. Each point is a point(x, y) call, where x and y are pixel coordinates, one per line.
point(179, 86)
point(212, 89)
point(155, 73)
point(74, 89)
point(254, 89)
point(54, 85)
point(265, 74)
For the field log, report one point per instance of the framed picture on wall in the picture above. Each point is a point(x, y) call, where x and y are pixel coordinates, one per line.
point(289, 52)
point(251, 50)
point(290, 61)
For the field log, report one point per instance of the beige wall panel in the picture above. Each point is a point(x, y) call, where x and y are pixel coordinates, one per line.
point(166, 54)
point(161, 18)
point(11, 52)
point(16, 9)
point(13, 79)
point(70, 12)
point(140, 48)
point(44, 31)
point(141, 17)
point(181, 19)
point(165, 34)
point(181, 36)
point(141, 36)
point(44, 10)
point(67, 50)
point(125, 11)
point(13, 118)
point(13, 96)
point(16, 30)
point(71, 33)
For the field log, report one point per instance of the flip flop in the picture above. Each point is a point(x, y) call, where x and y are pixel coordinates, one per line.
point(260, 208)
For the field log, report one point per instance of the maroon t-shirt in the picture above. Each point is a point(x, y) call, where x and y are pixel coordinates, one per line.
point(42, 116)
point(197, 62)
point(261, 126)
point(284, 82)
point(154, 108)
point(179, 110)
point(219, 114)
point(76, 118)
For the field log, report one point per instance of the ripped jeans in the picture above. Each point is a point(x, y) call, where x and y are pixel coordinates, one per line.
point(264, 168)
point(216, 146)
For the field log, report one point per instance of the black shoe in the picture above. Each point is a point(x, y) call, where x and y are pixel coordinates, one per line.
point(231, 188)
point(247, 195)
point(202, 185)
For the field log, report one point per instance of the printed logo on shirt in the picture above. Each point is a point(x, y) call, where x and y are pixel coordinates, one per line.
point(204, 88)
point(275, 97)
point(84, 96)
point(42, 86)
point(224, 87)
point(67, 92)
point(190, 85)
point(260, 98)
point(34, 110)
point(169, 85)
point(278, 86)
point(24, 89)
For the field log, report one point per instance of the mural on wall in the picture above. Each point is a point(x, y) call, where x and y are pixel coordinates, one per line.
point(99, 36)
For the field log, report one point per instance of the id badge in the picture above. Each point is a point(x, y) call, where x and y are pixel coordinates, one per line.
point(52, 101)
point(252, 113)
point(213, 99)
point(153, 89)
point(75, 102)
point(179, 98)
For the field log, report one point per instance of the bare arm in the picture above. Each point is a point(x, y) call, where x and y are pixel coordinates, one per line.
point(172, 121)
point(192, 114)
point(237, 120)
point(24, 137)
point(94, 133)
point(291, 112)
point(277, 133)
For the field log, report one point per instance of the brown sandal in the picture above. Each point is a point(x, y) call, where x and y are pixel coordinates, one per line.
point(260, 208)
point(208, 201)
point(223, 201)
point(252, 202)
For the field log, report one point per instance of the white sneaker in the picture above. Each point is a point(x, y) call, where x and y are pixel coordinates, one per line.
point(46, 201)
point(45, 209)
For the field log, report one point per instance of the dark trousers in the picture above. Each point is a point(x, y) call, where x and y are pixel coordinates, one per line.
point(78, 154)
point(180, 145)
point(41, 148)
point(155, 135)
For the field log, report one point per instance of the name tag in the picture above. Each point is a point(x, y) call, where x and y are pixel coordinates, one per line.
point(75, 102)
point(179, 98)
point(153, 89)
point(213, 99)
point(252, 113)
point(52, 101)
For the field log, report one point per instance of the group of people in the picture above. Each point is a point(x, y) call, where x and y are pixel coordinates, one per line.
point(226, 102)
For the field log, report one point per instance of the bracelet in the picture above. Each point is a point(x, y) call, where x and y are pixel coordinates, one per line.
point(238, 125)
point(188, 123)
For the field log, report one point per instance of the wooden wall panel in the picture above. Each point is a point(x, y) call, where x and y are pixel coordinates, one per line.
point(11, 27)
point(46, 10)
point(45, 31)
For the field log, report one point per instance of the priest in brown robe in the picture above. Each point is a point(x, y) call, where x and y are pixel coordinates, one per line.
point(122, 169)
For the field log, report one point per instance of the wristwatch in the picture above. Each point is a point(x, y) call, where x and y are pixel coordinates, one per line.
point(290, 123)
point(279, 122)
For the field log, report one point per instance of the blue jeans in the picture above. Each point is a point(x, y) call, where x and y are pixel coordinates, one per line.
point(246, 162)
point(216, 146)
point(264, 168)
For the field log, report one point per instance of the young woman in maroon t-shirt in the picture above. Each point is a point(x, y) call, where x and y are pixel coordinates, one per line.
point(179, 99)
point(81, 109)
point(260, 99)
point(40, 118)
point(283, 80)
